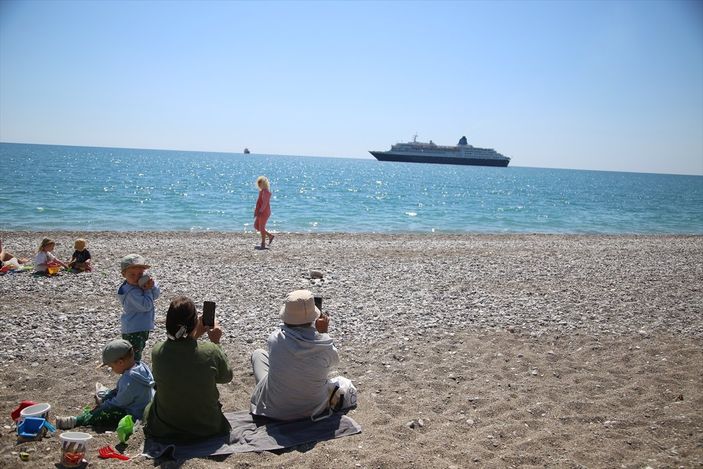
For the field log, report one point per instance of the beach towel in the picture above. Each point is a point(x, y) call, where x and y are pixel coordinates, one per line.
point(251, 433)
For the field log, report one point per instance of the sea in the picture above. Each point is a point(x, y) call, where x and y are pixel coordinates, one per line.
point(56, 188)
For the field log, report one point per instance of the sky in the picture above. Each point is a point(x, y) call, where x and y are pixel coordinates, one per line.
point(603, 85)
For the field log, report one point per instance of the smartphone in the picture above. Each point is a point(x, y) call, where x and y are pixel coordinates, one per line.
point(209, 313)
point(318, 302)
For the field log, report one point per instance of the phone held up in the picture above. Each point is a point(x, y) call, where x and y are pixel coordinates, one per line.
point(209, 313)
point(318, 302)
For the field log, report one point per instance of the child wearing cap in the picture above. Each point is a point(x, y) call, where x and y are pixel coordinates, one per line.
point(45, 256)
point(80, 261)
point(137, 294)
point(133, 392)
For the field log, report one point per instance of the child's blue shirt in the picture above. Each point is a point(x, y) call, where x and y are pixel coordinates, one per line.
point(138, 307)
point(134, 391)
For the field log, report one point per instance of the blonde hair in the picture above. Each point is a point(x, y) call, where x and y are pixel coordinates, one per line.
point(264, 181)
point(79, 245)
point(44, 243)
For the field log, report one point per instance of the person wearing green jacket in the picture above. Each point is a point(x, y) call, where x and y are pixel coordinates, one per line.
point(186, 406)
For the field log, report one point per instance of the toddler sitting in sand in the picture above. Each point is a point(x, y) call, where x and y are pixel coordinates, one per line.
point(134, 391)
point(45, 258)
point(137, 294)
point(8, 261)
point(80, 261)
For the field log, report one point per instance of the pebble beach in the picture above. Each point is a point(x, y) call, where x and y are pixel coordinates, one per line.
point(467, 350)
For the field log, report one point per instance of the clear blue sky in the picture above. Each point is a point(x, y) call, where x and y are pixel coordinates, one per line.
point(611, 85)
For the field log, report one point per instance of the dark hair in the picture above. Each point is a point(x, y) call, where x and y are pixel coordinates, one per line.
point(181, 318)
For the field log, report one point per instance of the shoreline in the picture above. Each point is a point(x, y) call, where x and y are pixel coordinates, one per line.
point(514, 350)
point(359, 233)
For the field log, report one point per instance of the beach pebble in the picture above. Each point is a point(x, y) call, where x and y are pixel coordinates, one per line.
point(418, 423)
point(316, 274)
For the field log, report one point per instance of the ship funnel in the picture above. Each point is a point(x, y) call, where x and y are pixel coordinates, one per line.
point(462, 141)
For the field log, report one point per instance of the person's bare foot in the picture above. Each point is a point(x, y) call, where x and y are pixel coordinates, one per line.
point(270, 239)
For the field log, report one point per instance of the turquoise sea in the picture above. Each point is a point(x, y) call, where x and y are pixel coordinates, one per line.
point(48, 188)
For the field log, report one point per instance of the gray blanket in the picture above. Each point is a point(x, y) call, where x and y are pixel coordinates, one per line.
point(255, 435)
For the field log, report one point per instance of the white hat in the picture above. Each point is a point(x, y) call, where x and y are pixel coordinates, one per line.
point(299, 308)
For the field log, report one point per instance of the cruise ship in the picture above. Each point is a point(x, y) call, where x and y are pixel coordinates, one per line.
point(461, 153)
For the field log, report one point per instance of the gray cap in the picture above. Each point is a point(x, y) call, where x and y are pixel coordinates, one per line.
point(114, 350)
point(133, 260)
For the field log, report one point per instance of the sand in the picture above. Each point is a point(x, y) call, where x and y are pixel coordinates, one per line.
point(467, 350)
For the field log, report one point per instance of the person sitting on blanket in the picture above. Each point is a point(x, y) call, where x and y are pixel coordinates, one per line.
point(186, 406)
point(291, 378)
point(134, 390)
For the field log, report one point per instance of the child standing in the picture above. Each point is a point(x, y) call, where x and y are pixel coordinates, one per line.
point(80, 260)
point(137, 294)
point(134, 390)
point(262, 211)
point(45, 256)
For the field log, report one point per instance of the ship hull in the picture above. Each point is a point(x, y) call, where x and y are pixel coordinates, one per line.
point(405, 158)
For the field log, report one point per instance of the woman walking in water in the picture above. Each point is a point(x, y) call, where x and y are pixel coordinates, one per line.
point(262, 212)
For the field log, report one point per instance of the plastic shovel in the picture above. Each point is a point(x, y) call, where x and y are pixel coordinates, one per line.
point(108, 452)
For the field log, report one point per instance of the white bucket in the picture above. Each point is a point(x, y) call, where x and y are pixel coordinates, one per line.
point(36, 410)
point(73, 447)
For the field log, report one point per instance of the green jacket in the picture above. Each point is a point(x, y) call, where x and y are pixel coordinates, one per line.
point(186, 406)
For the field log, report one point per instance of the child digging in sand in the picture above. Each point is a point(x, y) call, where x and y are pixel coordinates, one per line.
point(137, 294)
point(134, 391)
point(45, 259)
point(80, 261)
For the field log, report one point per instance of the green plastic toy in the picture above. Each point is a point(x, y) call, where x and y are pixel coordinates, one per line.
point(125, 428)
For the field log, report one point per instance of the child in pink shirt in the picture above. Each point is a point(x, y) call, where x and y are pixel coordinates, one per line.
point(262, 212)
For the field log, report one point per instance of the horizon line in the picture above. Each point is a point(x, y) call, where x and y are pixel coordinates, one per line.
point(329, 156)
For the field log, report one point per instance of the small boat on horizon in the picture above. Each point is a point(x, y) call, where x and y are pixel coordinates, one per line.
point(461, 153)
point(246, 151)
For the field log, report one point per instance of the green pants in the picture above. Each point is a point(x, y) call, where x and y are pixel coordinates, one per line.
point(138, 341)
point(107, 419)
